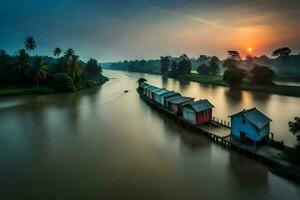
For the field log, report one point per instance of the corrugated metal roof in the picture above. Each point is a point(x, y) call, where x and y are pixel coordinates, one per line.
point(168, 94)
point(181, 100)
point(201, 105)
point(256, 117)
point(157, 89)
point(161, 92)
point(173, 97)
point(152, 89)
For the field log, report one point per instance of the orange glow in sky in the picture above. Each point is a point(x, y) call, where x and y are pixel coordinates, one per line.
point(250, 49)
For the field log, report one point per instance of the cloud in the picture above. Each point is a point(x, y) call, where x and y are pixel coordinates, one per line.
point(189, 17)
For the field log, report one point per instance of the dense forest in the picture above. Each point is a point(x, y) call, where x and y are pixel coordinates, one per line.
point(65, 72)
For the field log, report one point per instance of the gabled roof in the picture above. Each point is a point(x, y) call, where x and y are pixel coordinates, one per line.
point(161, 92)
point(141, 80)
point(255, 117)
point(150, 87)
point(201, 105)
point(173, 97)
point(145, 85)
point(181, 100)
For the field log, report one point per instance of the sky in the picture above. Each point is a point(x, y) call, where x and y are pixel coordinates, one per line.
point(114, 30)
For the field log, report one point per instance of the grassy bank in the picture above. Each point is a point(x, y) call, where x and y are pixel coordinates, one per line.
point(44, 89)
point(270, 89)
point(17, 91)
point(214, 80)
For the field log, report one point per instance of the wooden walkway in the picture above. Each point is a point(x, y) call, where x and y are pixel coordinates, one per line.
point(219, 132)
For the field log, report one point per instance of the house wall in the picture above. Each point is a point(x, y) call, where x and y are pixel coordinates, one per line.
point(189, 115)
point(204, 118)
point(178, 107)
point(168, 104)
point(164, 100)
point(174, 108)
point(237, 126)
point(264, 132)
point(151, 95)
point(156, 98)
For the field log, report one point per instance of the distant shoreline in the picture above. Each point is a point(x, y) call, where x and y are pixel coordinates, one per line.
point(284, 90)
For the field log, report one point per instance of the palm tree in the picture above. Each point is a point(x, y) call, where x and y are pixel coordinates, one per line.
point(30, 43)
point(69, 53)
point(40, 72)
point(2, 52)
point(93, 69)
point(57, 52)
point(74, 69)
point(22, 64)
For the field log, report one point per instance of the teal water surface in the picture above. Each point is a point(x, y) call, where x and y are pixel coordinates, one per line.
point(107, 144)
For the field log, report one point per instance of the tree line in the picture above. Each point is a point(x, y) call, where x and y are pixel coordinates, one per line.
point(233, 74)
point(284, 64)
point(65, 72)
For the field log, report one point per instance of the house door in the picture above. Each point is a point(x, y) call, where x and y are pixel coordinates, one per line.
point(242, 136)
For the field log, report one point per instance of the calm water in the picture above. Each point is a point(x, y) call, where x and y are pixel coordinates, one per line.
point(107, 144)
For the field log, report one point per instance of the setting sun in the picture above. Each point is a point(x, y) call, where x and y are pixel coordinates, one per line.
point(250, 49)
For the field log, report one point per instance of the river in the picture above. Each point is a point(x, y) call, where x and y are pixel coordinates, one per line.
point(106, 144)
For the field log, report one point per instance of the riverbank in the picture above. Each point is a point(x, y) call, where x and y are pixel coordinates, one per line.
point(45, 89)
point(286, 90)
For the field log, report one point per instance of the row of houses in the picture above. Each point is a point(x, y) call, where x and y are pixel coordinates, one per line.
point(247, 125)
point(195, 112)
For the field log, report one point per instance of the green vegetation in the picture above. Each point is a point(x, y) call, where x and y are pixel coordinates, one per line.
point(294, 153)
point(24, 74)
point(217, 80)
point(214, 80)
point(261, 75)
point(282, 52)
point(165, 63)
point(234, 77)
point(63, 83)
point(182, 68)
point(15, 91)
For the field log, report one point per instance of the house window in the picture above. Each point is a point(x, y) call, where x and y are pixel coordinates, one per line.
point(244, 121)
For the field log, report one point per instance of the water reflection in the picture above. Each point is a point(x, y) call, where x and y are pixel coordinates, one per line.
point(193, 141)
point(245, 172)
point(233, 97)
point(183, 84)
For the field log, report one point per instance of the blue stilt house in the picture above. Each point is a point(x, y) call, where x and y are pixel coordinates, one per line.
point(250, 125)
